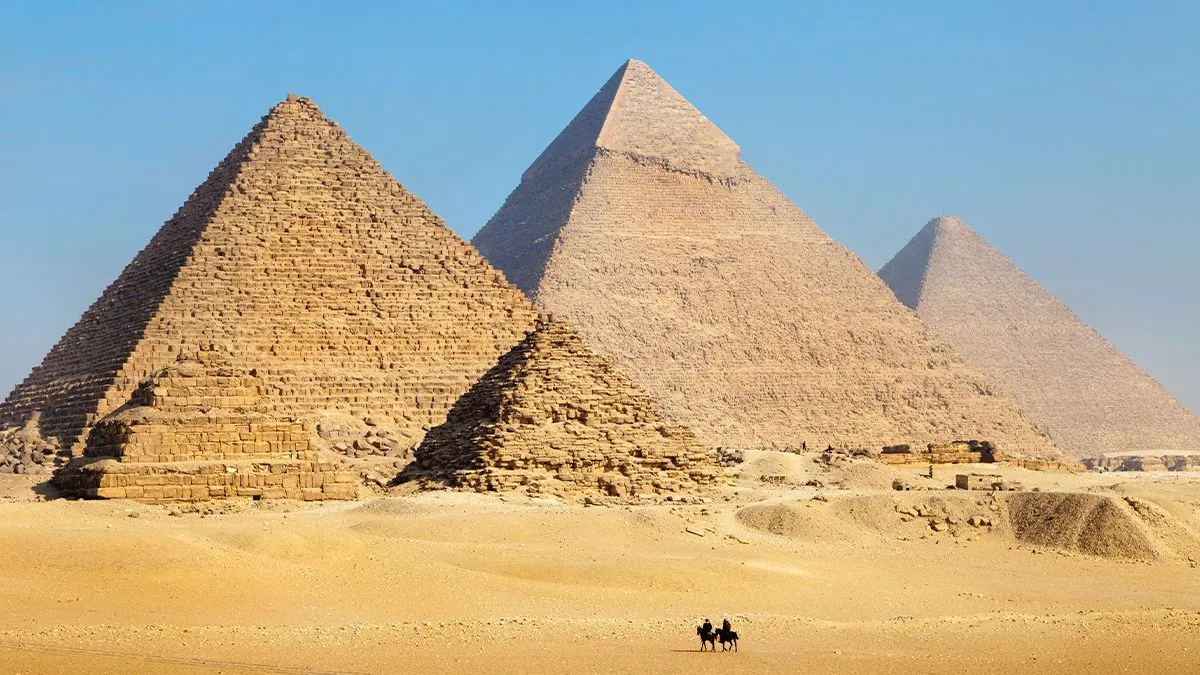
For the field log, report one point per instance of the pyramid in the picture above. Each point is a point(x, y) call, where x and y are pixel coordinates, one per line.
point(1068, 379)
point(555, 417)
point(641, 226)
point(306, 264)
point(192, 432)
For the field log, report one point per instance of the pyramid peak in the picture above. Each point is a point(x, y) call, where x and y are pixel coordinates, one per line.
point(294, 102)
point(948, 224)
point(639, 114)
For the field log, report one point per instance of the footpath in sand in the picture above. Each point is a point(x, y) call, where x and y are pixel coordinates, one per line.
point(840, 574)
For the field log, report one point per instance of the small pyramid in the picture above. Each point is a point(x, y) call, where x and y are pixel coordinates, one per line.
point(641, 226)
point(1066, 377)
point(554, 416)
point(192, 432)
point(307, 263)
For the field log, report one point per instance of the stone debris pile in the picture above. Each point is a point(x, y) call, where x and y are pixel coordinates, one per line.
point(24, 451)
point(553, 417)
point(1075, 385)
point(641, 226)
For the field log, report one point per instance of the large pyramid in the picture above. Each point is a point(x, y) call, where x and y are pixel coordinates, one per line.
point(555, 417)
point(641, 226)
point(1067, 378)
point(311, 269)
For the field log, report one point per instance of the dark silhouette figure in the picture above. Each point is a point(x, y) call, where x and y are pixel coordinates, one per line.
point(707, 636)
point(725, 625)
point(727, 637)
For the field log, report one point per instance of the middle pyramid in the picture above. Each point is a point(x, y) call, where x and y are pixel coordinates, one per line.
point(641, 226)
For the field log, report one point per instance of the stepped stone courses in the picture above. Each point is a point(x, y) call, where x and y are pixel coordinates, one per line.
point(1078, 388)
point(554, 417)
point(641, 227)
point(309, 266)
point(190, 432)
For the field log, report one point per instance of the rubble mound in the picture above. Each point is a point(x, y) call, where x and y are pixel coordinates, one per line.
point(554, 417)
point(23, 450)
point(1099, 525)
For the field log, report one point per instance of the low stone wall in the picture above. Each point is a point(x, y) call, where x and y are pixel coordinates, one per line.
point(1164, 462)
point(957, 452)
point(201, 481)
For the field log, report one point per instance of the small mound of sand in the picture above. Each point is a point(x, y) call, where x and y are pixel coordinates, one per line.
point(1094, 524)
point(799, 522)
point(864, 475)
point(1173, 535)
point(774, 463)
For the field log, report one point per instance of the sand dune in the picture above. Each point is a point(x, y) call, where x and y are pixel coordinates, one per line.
point(814, 577)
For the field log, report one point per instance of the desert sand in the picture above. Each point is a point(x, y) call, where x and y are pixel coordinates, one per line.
point(827, 576)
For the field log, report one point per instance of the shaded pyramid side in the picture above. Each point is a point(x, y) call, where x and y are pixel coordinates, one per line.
point(553, 416)
point(72, 384)
point(739, 316)
point(1072, 382)
point(306, 261)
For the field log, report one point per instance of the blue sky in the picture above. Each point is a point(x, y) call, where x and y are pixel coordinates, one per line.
point(1065, 132)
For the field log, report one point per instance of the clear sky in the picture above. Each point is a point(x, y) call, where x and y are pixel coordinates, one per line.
point(1065, 132)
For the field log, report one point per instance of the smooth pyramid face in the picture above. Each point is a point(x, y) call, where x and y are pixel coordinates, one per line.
point(1067, 378)
point(307, 262)
point(642, 228)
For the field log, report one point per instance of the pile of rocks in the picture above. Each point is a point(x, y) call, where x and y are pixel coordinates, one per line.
point(374, 443)
point(24, 451)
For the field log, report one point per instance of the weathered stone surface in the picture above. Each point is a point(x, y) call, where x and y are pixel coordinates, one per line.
point(310, 266)
point(554, 417)
point(195, 430)
point(642, 228)
point(1068, 379)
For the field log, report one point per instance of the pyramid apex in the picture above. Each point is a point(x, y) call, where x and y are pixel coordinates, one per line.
point(638, 114)
point(948, 224)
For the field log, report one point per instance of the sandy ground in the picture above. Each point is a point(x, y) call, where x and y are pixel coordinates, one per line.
point(818, 578)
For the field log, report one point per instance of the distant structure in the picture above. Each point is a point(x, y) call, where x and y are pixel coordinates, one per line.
point(1067, 378)
point(322, 283)
point(554, 417)
point(641, 227)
